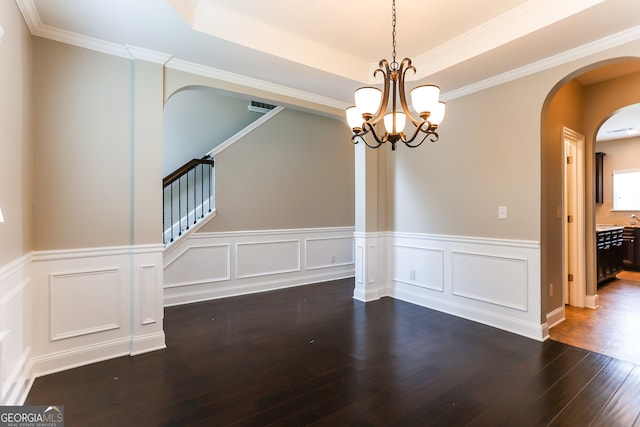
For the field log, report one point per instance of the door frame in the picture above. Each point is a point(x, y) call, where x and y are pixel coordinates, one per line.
point(574, 250)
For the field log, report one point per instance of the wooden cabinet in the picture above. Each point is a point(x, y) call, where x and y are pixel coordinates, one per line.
point(609, 252)
point(631, 248)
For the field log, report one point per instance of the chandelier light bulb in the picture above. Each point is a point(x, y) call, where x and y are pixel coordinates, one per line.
point(368, 99)
point(401, 121)
point(354, 118)
point(437, 115)
point(424, 98)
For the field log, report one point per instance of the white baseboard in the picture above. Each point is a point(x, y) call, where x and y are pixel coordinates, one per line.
point(592, 301)
point(147, 343)
point(80, 356)
point(556, 317)
point(517, 326)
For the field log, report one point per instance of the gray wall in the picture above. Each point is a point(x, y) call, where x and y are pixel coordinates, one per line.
point(198, 119)
point(16, 143)
point(83, 141)
point(295, 171)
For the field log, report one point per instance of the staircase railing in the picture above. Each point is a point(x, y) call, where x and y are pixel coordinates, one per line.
point(187, 197)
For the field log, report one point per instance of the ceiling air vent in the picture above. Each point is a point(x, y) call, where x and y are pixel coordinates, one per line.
point(260, 107)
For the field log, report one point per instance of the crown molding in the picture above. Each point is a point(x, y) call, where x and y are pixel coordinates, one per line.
point(148, 55)
point(32, 19)
point(583, 51)
point(226, 76)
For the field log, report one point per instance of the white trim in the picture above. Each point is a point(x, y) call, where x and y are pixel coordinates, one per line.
point(562, 58)
point(556, 317)
point(56, 280)
point(592, 301)
point(490, 241)
point(479, 289)
point(30, 15)
point(244, 132)
point(62, 254)
point(239, 79)
point(222, 277)
point(148, 55)
point(145, 343)
point(79, 356)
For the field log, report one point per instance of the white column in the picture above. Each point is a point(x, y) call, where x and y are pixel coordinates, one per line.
point(367, 286)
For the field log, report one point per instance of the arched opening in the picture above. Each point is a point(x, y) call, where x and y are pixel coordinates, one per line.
point(582, 102)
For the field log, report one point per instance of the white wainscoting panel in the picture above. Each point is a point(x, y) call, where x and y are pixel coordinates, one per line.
point(95, 304)
point(238, 263)
point(15, 331)
point(328, 252)
point(149, 294)
point(471, 272)
point(84, 302)
point(491, 281)
point(199, 264)
point(419, 266)
point(255, 259)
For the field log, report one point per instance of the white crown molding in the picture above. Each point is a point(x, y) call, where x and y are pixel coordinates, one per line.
point(518, 22)
point(32, 19)
point(148, 55)
point(214, 73)
point(592, 48)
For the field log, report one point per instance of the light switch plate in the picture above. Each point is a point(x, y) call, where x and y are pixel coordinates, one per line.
point(502, 212)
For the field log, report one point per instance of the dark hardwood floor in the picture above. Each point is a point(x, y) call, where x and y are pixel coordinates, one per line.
point(313, 355)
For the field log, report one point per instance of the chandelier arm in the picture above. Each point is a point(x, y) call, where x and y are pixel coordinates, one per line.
point(360, 137)
point(368, 128)
point(406, 62)
point(431, 134)
point(420, 127)
point(384, 69)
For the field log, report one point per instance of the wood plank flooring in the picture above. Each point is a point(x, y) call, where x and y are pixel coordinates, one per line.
point(314, 356)
point(614, 328)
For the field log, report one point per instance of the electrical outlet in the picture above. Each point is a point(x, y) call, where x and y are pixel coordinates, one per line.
point(550, 289)
point(333, 259)
point(412, 274)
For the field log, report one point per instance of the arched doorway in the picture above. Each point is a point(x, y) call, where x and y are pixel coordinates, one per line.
point(583, 101)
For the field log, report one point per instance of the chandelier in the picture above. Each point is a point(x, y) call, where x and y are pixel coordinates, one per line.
point(371, 106)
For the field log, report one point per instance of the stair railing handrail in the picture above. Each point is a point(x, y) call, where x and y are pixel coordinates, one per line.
point(184, 169)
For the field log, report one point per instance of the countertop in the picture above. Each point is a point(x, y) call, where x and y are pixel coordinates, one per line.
point(608, 227)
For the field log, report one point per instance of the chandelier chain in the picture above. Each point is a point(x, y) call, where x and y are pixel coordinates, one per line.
point(394, 63)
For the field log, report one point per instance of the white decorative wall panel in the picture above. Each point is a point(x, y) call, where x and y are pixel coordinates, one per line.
point(264, 258)
point(494, 279)
point(360, 264)
point(491, 281)
point(199, 264)
point(84, 302)
point(148, 294)
point(259, 261)
point(419, 266)
point(15, 331)
point(328, 252)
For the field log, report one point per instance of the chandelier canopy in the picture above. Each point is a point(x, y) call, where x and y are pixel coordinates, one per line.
point(371, 106)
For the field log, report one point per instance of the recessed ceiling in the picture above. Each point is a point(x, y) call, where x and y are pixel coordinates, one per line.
point(323, 50)
point(625, 123)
